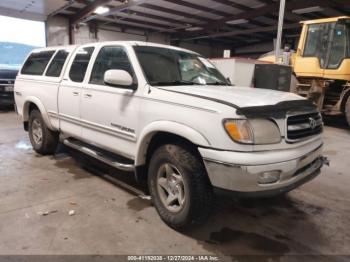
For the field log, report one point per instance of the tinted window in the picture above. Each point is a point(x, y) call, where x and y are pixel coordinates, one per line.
point(166, 67)
point(317, 42)
point(36, 63)
point(56, 65)
point(340, 46)
point(80, 64)
point(110, 57)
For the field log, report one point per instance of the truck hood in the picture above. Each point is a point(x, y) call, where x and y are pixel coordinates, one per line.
point(238, 96)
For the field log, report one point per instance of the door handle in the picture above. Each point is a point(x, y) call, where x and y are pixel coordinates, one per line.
point(88, 95)
point(75, 93)
point(18, 93)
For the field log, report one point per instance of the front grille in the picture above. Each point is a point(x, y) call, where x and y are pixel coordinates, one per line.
point(7, 82)
point(302, 126)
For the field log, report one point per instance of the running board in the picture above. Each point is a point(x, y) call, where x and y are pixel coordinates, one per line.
point(98, 155)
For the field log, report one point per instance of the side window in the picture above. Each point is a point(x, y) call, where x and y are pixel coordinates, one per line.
point(110, 57)
point(80, 64)
point(55, 67)
point(313, 40)
point(36, 63)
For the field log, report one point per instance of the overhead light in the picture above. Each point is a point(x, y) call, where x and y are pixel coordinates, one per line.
point(194, 28)
point(307, 10)
point(101, 10)
point(237, 21)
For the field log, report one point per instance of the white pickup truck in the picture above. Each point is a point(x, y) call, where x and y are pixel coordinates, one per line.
point(167, 114)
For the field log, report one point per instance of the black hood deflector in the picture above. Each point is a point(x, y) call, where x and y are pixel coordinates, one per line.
point(278, 110)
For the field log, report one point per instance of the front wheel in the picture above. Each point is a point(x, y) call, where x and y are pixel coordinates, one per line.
point(347, 110)
point(179, 186)
point(43, 140)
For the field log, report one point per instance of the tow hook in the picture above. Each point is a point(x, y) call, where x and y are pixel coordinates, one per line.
point(325, 160)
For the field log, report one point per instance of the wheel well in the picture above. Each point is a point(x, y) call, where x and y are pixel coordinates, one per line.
point(159, 139)
point(344, 100)
point(30, 107)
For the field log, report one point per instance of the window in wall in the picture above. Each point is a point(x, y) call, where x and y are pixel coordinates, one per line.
point(56, 65)
point(80, 64)
point(110, 57)
point(37, 62)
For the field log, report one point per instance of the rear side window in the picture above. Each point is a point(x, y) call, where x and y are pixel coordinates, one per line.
point(56, 65)
point(36, 63)
point(110, 57)
point(80, 64)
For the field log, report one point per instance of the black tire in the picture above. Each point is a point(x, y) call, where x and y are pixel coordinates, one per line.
point(49, 139)
point(197, 188)
point(347, 110)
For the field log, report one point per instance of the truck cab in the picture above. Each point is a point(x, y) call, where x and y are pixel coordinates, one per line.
point(324, 49)
point(169, 115)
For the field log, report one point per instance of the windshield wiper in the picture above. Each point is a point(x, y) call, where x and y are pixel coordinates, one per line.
point(218, 84)
point(173, 83)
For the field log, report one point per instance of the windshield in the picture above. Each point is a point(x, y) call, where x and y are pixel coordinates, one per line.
point(316, 43)
point(329, 42)
point(168, 67)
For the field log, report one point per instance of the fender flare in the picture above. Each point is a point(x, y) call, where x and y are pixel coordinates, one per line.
point(39, 104)
point(171, 127)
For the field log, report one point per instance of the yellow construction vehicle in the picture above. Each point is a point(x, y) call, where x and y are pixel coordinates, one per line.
point(321, 64)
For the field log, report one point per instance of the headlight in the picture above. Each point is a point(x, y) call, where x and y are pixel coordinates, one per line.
point(253, 131)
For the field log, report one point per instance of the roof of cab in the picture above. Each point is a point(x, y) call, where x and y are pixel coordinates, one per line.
point(132, 43)
point(53, 48)
point(324, 20)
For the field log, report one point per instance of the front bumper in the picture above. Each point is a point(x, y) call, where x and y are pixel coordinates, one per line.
point(241, 174)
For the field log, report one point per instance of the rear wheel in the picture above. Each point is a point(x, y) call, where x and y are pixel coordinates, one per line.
point(43, 140)
point(347, 110)
point(179, 186)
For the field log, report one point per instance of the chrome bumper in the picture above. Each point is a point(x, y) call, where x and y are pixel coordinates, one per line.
point(246, 179)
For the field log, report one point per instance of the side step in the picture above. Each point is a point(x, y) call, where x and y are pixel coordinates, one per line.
point(98, 154)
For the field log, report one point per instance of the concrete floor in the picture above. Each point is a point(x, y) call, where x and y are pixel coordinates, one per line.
point(313, 219)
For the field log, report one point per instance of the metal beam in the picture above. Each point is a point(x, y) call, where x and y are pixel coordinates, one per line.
point(155, 17)
point(88, 10)
point(116, 19)
point(234, 4)
point(137, 13)
point(178, 13)
point(245, 32)
point(123, 6)
point(66, 6)
point(211, 10)
point(198, 7)
point(261, 11)
point(279, 30)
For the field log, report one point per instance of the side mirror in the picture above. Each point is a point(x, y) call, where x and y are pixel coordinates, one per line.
point(119, 78)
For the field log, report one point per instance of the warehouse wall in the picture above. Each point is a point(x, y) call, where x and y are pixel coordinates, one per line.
point(58, 34)
point(254, 50)
point(206, 50)
point(57, 31)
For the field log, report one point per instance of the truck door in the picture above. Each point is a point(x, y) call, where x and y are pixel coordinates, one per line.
point(312, 52)
point(339, 51)
point(110, 113)
point(70, 92)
